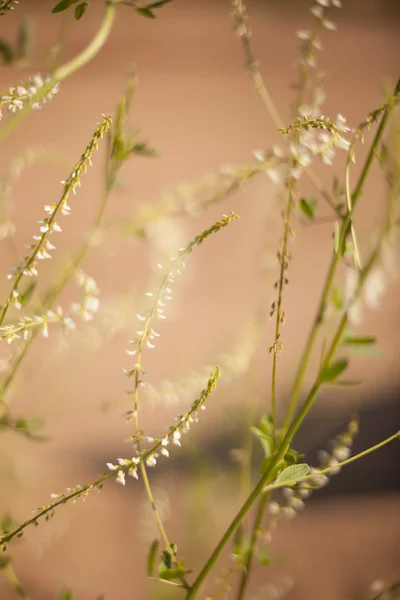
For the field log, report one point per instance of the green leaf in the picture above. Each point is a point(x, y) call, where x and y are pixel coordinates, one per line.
point(66, 594)
point(265, 440)
point(80, 10)
point(266, 425)
point(308, 207)
point(63, 5)
point(151, 557)
point(331, 372)
point(292, 473)
point(291, 457)
point(366, 350)
point(166, 558)
point(156, 3)
point(145, 12)
point(143, 149)
point(26, 295)
point(29, 424)
point(358, 341)
point(177, 573)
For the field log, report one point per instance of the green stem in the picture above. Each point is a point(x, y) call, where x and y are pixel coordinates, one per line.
point(250, 554)
point(346, 225)
point(266, 478)
point(260, 511)
point(283, 257)
point(64, 71)
point(328, 470)
point(50, 296)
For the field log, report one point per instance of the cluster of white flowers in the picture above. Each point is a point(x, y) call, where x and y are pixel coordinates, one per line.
point(42, 247)
point(125, 463)
point(340, 450)
point(85, 310)
point(147, 335)
point(16, 97)
point(90, 304)
point(319, 143)
point(324, 143)
point(271, 162)
point(173, 435)
point(310, 40)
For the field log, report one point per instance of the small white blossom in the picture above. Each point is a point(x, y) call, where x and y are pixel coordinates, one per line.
point(121, 477)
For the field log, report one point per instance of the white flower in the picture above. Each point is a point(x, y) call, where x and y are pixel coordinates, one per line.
point(91, 304)
point(374, 287)
point(289, 512)
point(274, 508)
point(121, 477)
point(304, 35)
point(111, 466)
point(151, 460)
point(296, 503)
point(317, 11)
point(341, 453)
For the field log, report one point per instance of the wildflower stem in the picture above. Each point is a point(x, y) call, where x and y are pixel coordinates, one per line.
point(334, 468)
point(355, 196)
point(50, 296)
point(267, 476)
point(245, 576)
point(65, 70)
point(283, 258)
point(252, 65)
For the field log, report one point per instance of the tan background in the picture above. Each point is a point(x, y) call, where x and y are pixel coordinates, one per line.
point(196, 104)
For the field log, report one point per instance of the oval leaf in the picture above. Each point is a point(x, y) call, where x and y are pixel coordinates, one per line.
point(151, 557)
point(63, 5)
point(293, 473)
point(359, 340)
point(80, 10)
point(307, 207)
point(331, 372)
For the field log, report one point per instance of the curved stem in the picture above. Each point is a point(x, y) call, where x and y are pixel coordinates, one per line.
point(64, 71)
point(50, 296)
point(283, 258)
point(355, 196)
point(267, 476)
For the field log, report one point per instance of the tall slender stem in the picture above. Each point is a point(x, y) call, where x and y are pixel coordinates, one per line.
point(355, 196)
point(65, 70)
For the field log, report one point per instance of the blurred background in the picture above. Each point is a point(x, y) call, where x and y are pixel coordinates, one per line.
point(195, 104)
